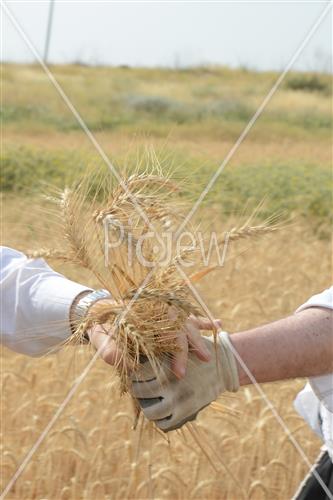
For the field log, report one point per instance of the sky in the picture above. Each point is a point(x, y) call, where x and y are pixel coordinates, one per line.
point(257, 35)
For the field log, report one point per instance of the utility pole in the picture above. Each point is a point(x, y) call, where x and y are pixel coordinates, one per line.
point(49, 29)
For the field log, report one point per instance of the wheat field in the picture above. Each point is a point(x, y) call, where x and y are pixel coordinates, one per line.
point(236, 449)
point(92, 451)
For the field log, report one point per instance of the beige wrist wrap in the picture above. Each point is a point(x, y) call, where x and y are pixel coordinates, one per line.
point(227, 361)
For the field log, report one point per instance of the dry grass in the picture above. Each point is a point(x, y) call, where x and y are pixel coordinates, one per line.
point(92, 452)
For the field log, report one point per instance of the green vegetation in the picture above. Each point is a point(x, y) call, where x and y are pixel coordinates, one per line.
point(26, 170)
point(209, 102)
point(302, 189)
point(286, 158)
point(309, 83)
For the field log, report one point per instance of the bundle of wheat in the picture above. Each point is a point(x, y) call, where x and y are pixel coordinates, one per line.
point(116, 233)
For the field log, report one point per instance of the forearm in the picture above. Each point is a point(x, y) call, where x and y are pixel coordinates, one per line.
point(300, 345)
point(36, 303)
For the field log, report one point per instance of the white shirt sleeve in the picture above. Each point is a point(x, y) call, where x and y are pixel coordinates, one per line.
point(322, 386)
point(35, 304)
point(315, 402)
point(323, 299)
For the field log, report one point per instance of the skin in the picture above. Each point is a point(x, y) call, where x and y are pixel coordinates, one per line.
point(189, 338)
point(300, 345)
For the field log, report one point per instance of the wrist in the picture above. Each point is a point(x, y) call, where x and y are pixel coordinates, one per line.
point(240, 346)
point(81, 307)
point(229, 360)
point(73, 320)
point(226, 372)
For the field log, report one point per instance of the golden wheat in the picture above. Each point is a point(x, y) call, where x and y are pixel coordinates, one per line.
point(93, 451)
point(139, 317)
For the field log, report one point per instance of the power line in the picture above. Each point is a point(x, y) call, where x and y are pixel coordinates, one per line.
point(48, 32)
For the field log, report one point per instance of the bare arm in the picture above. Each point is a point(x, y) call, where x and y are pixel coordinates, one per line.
point(300, 345)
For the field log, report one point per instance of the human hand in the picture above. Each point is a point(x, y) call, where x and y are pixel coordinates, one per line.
point(190, 338)
point(171, 402)
point(101, 337)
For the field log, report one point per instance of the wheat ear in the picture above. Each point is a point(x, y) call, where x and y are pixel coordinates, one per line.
point(48, 253)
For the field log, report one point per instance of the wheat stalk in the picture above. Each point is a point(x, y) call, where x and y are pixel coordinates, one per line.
point(237, 233)
point(147, 328)
point(48, 253)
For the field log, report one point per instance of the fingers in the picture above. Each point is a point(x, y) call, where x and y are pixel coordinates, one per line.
point(150, 394)
point(197, 342)
point(179, 360)
point(156, 409)
point(105, 345)
point(205, 323)
point(150, 389)
point(191, 336)
point(145, 372)
point(171, 424)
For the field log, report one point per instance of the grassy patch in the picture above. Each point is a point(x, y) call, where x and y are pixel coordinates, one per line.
point(301, 189)
point(155, 101)
point(26, 170)
point(309, 83)
point(195, 105)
